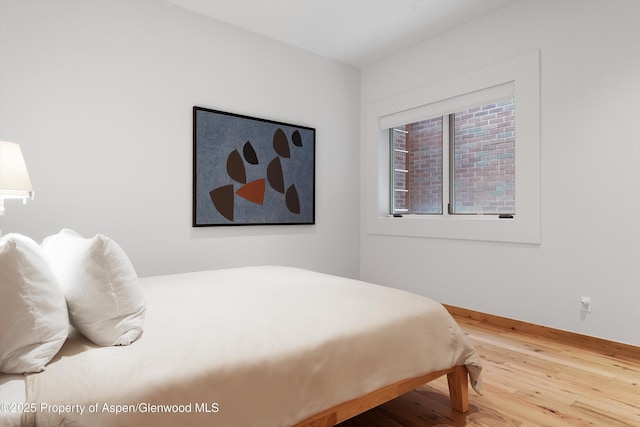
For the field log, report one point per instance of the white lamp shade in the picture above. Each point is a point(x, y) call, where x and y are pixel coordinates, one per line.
point(14, 178)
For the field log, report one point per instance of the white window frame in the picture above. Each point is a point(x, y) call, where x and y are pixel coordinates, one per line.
point(524, 72)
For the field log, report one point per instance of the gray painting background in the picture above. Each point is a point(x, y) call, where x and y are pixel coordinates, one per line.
point(216, 135)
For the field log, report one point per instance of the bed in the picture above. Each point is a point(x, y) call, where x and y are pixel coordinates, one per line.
point(264, 345)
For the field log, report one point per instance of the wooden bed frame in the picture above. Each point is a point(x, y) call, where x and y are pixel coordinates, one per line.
point(457, 378)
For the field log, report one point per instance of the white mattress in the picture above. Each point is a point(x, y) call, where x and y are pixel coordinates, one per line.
point(265, 346)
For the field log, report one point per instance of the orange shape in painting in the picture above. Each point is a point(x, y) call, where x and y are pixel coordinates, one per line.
point(253, 191)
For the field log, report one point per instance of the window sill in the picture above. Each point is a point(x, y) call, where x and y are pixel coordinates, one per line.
point(467, 227)
point(461, 217)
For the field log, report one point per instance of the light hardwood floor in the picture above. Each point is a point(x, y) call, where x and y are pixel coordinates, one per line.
point(528, 381)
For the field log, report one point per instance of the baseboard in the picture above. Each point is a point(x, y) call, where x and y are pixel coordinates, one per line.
point(599, 345)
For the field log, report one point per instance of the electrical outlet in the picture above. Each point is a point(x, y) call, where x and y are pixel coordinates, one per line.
point(585, 304)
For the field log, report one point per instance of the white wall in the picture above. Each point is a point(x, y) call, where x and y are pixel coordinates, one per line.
point(99, 94)
point(590, 104)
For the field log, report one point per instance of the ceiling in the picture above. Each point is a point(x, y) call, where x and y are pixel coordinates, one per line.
point(355, 32)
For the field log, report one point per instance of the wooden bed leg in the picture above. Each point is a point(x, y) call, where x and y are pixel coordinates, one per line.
point(459, 388)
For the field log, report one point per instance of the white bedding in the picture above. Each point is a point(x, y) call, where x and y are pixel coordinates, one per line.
point(255, 346)
point(12, 397)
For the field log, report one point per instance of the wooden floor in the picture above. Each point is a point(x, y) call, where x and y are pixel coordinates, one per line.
point(528, 381)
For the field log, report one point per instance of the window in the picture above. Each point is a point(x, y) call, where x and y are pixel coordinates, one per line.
point(462, 163)
point(488, 191)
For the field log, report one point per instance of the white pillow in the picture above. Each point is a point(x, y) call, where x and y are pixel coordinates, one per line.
point(33, 314)
point(100, 285)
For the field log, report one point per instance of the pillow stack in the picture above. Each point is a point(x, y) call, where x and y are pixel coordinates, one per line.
point(89, 283)
point(100, 285)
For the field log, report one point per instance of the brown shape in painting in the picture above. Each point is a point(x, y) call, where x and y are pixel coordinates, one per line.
point(292, 199)
point(274, 175)
point(222, 198)
point(250, 154)
point(281, 143)
point(296, 138)
point(235, 167)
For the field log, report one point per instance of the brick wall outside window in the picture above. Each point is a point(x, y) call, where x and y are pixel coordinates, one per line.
point(484, 165)
point(425, 166)
point(484, 172)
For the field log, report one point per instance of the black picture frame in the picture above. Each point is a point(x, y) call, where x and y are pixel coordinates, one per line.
point(251, 171)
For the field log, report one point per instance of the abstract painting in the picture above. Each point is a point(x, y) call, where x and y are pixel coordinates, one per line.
point(251, 171)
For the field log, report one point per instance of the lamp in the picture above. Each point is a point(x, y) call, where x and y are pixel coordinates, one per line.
point(14, 178)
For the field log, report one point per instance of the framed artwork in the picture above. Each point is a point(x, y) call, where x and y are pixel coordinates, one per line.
point(251, 171)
